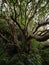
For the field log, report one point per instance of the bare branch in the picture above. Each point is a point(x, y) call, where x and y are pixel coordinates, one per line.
point(43, 35)
point(39, 38)
point(40, 24)
point(29, 2)
point(17, 24)
point(42, 38)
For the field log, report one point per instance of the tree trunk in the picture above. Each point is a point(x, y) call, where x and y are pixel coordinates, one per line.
point(27, 47)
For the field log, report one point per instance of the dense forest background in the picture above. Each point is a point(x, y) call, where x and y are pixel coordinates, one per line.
point(24, 32)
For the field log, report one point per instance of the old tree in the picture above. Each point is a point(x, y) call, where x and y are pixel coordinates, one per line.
point(26, 20)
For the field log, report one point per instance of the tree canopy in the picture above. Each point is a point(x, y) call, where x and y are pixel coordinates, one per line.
point(24, 26)
point(30, 16)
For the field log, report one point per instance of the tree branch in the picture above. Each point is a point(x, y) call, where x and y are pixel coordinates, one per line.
point(17, 24)
point(33, 13)
point(41, 24)
point(4, 37)
point(41, 36)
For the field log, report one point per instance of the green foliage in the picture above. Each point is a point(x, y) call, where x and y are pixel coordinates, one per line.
point(21, 11)
point(3, 24)
point(36, 57)
point(45, 56)
point(22, 59)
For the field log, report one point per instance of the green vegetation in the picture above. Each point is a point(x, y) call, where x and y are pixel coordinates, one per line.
point(37, 55)
point(24, 31)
